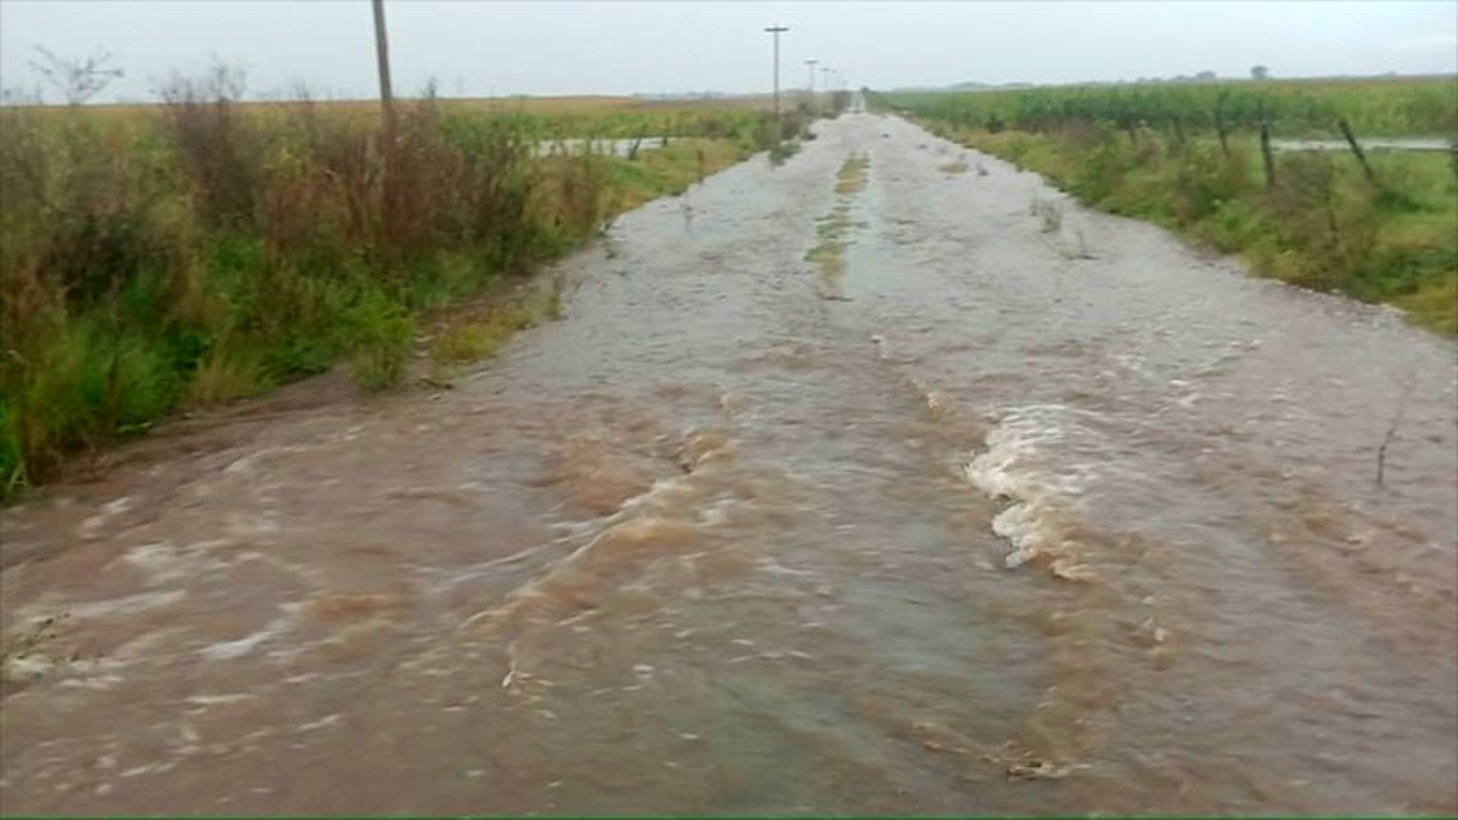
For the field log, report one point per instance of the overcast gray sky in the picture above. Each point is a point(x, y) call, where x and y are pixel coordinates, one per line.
point(482, 48)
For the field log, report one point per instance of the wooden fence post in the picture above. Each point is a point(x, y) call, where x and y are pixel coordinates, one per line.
point(1268, 158)
point(1356, 149)
point(1220, 130)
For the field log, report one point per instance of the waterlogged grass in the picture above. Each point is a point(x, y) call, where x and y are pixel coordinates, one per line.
point(669, 170)
point(192, 253)
point(1323, 225)
point(828, 255)
point(478, 333)
point(852, 175)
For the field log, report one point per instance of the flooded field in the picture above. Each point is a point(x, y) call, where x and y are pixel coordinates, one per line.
point(887, 480)
point(1375, 144)
point(614, 147)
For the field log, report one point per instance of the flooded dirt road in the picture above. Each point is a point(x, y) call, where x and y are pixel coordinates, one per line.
point(883, 481)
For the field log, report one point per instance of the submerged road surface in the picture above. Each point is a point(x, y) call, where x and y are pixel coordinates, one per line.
point(887, 480)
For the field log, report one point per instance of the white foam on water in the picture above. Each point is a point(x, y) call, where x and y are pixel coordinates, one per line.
point(230, 650)
point(325, 722)
point(1010, 466)
point(157, 559)
point(211, 700)
point(1021, 465)
point(27, 667)
point(249, 462)
point(125, 606)
point(100, 683)
point(91, 528)
point(1019, 528)
point(164, 562)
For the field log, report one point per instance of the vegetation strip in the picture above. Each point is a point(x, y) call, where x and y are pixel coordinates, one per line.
point(828, 255)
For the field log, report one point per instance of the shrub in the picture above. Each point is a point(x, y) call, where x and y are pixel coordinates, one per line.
point(1205, 181)
point(378, 333)
point(1103, 169)
point(219, 147)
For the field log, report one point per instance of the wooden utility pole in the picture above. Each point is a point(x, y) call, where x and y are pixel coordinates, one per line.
point(776, 31)
point(387, 111)
point(1268, 157)
point(382, 54)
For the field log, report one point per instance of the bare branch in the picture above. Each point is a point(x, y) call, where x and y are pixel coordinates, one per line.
point(77, 78)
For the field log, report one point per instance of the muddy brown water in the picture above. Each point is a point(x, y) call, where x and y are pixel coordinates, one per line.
point(1036, 511)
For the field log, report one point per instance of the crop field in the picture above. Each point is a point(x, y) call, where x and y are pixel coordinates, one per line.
point(545, 118)
point(1296, 108)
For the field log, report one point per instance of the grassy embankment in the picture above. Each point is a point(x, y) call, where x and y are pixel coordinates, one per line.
point(1188, 157)
point(174, 256)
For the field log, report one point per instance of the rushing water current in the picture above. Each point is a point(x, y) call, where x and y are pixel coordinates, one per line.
point(1030, 509)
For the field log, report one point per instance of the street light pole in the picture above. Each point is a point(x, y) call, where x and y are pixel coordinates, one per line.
point(811, 64)
point(775, 30)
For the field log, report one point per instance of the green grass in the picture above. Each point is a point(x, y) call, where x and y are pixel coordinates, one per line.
point(379, 332)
